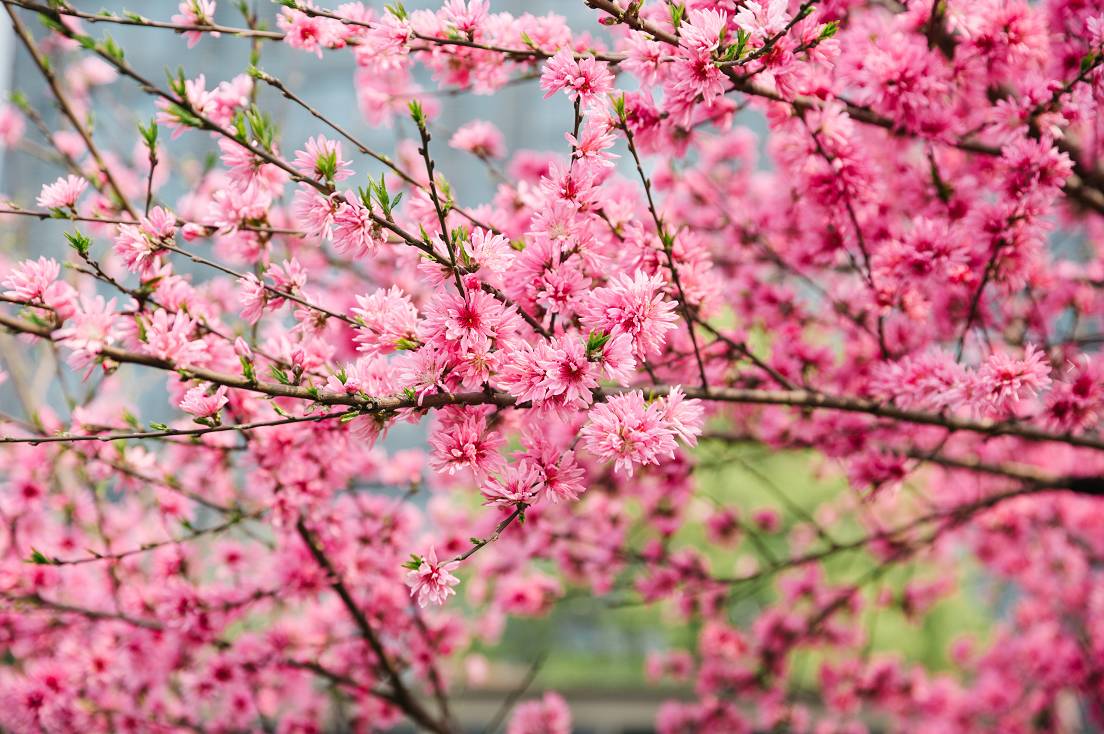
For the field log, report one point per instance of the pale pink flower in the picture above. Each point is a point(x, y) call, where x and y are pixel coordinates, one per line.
point(594, 142)
point(91, 328)
point(424, 371)
point(253, 296)
point(480, 138)
point(11, 126)
point(520, 485)
point(490, 251)
point(562, 477)
point(549, 715)
point(202, 403)
point(465, 16)
point(63, 193)
point(354, 233)
point(287, 277)
point(251, 170)
point(322, 160)
point(196, 12)
point(701, 30)
point(522, 372)
point(309, 33)
point(617, 360)
point(387, 319)
point(30, 280)
point(763, 19)
point(467, 320)
point(139, 245)
point(684, 416)
point(314, 212)
point(432, 581)
point(168, 337)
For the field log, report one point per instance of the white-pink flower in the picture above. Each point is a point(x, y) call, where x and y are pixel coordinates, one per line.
point(93, 327)
point(202, 403)
point(63, 193)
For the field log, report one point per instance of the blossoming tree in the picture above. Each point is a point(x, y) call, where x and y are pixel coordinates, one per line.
point(907, 289)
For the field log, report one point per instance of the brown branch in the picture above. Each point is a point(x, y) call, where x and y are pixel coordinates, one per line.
point(402, 696)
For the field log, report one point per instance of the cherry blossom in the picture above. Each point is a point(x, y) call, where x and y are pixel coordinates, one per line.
point(782, 329)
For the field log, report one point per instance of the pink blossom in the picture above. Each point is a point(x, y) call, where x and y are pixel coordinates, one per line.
point(519, 485)
point(1004, 380)
point(196, 12)
point(703, 28)
point(253, 297)
point(92, 328)
point(480, 138)
point(63, 193)
point(634, 306)
point(549, 715)
point(11, 126)
point(466, 16)
point(684, 416)
point(200, 402)
point(314, 211)
point(287, 277)
point(627, 431)
point(558, 471)
point(387, 321)
point(432, 581)
point(593, 143)
point(322, 160)
point(466, 321)
point(462, 441)
point(762, 19)
point(617, 360)
point(139, 245)
point(307, 32)
point(31, 279)
point(168, 337)
point(354, 232)
point(491, 252)
point(587, 79)
point(568, 373)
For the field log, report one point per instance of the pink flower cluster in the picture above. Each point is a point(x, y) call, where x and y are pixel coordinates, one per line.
point(789, 333)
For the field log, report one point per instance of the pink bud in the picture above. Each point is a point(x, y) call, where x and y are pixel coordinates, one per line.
point(192, 231)
point(241, 348)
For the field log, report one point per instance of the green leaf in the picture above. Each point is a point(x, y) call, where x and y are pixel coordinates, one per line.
point(247, 369)
point(39, 558)
point(678, 12)
point(279, 375)
point(112, 49)
point(417, 113)
point(79, 242)
point(596, 342)
point(149, 134)
point(828, 30)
